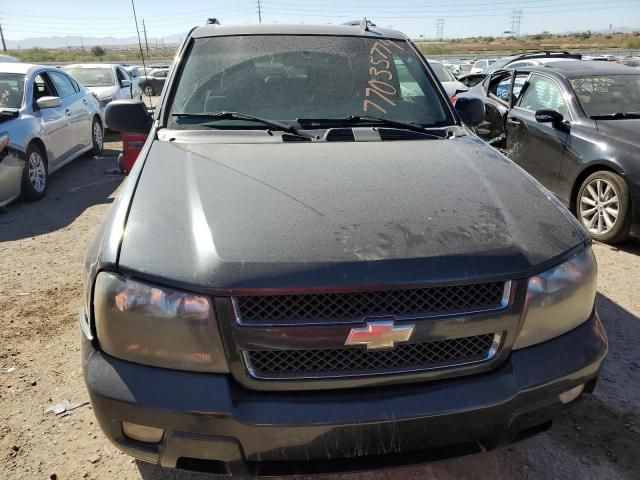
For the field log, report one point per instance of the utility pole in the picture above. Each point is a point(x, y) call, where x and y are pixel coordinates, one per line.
point(440, 29)
point(4, 45)
point(259, 2)
point(516, 20)
point(144, 29)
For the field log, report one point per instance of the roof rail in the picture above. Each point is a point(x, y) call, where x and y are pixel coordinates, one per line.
point(212, 21)
point(364, 24)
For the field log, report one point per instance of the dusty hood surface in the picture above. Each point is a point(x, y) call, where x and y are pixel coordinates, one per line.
point(284, 215)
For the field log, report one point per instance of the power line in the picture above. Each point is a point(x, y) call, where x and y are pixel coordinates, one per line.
point(440, 29)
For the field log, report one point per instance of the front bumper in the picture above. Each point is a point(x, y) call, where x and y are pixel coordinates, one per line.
point(11, 167)
point(213, 424)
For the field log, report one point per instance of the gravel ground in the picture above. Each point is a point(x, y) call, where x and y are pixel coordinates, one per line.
point(42, 245)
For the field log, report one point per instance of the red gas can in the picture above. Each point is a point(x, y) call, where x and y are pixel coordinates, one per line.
point(131, 145)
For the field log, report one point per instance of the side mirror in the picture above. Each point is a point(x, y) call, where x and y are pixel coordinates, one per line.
point(128, 116)
point(48, 102)
point(547, 115)
point(471, 110)
point(125, 83)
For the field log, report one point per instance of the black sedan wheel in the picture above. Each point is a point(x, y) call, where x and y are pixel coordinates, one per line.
point(603, 207)
point(149, 91)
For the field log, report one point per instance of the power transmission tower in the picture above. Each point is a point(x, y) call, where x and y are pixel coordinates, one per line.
point(440, 29)
point(144, 29)
point(259, 3)
point(516, 21)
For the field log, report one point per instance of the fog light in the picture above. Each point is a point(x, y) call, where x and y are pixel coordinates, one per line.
point(142, 433)
point(571, 395)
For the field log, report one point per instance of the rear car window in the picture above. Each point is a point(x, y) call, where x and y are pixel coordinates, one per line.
point(11, 90)
point(285, 77)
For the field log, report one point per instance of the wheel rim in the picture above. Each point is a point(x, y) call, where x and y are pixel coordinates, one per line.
point(97, 135)
point(37, 172)
point(148, 91)
point(599, 207)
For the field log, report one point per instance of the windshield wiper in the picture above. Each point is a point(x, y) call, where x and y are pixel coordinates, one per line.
point(273, 124)
point(616, 116)
point(378, 121)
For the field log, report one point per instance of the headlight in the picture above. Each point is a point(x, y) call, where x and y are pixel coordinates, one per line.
point(559, 299)
point(156, 326)
point(105, 101)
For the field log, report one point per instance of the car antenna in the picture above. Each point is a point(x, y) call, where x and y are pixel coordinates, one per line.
point(364, 24)
point(212, 21)
point(144, 66)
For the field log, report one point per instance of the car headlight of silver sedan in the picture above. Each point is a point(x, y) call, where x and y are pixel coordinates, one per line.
point(158, 326)
point(559, 299)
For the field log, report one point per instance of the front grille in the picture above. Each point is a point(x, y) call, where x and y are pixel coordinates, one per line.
point(359, 361)
point(354, 306)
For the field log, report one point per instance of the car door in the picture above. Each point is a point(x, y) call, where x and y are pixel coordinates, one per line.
point(158, 80)
point(75, 109)
point(54, 122)
point(538, 147)
point(496, 101)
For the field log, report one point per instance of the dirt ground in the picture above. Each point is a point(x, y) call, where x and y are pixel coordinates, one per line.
point(41, 250)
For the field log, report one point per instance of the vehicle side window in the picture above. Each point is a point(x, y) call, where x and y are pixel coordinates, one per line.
point(121, 76)
point(63, 84)
point(42, 87)
point(518, 83)
point(76, 85)
point(541, 93)
point(500, 88)
point(161, 74)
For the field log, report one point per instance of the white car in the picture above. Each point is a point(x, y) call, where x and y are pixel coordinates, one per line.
point(481, 65)
point(451, 85)
point(46, 120)
point(108, 81)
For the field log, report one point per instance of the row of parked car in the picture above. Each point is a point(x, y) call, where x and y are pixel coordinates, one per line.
point(50, 116)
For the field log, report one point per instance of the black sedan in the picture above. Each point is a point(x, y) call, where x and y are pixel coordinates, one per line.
point(574, 126)
point(152, 83)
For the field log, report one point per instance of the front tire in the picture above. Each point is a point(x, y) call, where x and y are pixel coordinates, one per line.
point(34, 174)
point(97, 137)
point(603, 208)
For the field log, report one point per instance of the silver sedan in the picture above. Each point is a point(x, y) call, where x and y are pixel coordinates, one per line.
point(47, 119)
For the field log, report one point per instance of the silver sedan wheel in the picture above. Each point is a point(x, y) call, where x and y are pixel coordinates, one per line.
point(97, 135)
point(37, 172)
point(599, 206)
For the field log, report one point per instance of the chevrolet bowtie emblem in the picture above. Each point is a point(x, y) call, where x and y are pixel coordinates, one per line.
point(380, 334)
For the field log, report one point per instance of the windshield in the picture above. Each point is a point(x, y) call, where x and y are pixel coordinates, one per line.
point(285, 77)
point(443, 74)
point(11, 89)
point(608, 94)
point(93, 77)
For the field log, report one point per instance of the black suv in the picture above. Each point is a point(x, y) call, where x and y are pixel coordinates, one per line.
point(315, 266)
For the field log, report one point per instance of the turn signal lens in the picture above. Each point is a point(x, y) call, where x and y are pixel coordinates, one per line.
point(142, 433)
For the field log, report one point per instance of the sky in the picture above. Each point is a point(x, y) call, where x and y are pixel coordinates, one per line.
point(462, 18)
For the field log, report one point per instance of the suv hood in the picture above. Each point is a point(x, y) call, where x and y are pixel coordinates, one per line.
point(300, 215)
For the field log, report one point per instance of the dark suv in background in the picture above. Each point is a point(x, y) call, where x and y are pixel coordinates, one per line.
point(315, 266)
